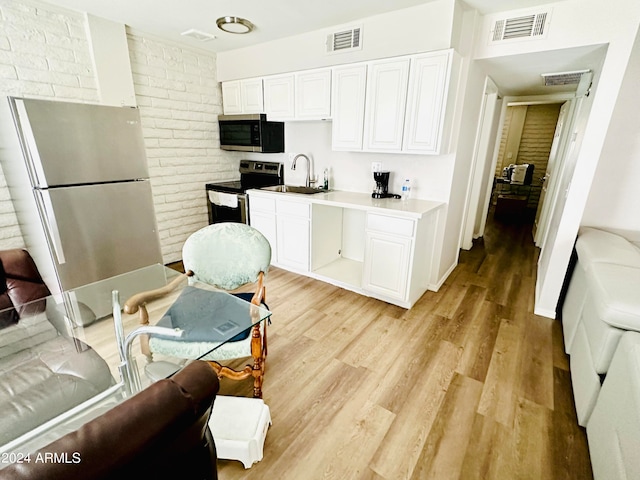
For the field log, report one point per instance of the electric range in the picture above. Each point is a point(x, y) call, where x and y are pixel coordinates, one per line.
point(227, 201)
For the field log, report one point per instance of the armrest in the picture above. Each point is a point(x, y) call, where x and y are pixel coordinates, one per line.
point(260, 294)
point(162, 432)
point(137, 303)
point(139, 300)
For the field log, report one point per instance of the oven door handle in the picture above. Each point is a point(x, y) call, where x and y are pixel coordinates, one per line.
point(220, 199)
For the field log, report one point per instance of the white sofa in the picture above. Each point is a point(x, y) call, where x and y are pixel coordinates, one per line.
point(613, 429)
point(602, 302)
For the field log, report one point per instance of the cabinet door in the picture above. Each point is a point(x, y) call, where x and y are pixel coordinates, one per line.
point(265, 223)
point(386, 102)
point(231, 97)
point(313, 95)
point(251, 95)
point(386, 267)
point(426, 103)
point(349, 84)
point(293, 242)
point(278, 97)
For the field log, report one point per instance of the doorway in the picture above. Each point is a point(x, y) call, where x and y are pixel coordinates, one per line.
point(525, 144)
point(510, 143)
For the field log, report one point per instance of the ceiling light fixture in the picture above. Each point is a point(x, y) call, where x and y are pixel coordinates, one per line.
point(234, 25)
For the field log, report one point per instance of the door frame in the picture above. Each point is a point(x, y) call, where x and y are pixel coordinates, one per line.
point(481, 155)
point(512, 101)
point(551, 196)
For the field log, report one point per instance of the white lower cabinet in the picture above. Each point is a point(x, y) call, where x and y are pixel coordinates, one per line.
point(265, 223)
point(293, 242)
point(374, 252)
point(386, 267)
point(388, 253)
point(286, 225)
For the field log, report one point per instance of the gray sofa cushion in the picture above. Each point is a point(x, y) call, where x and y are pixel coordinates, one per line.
point(39, 383)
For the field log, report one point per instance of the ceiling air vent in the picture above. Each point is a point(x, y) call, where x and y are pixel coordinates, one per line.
point(563, 78)
point(520, 27)
point(345, 40)
point(198, 35)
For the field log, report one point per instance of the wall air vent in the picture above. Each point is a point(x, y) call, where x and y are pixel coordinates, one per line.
point(345, 41)
point(563, 78)
point(520, 27)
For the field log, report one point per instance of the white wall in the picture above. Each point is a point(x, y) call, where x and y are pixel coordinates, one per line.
point(576, 23)
point(179, 100)
point(573, 23)
point(352, 170)
point(46, 52)
point(422, 28)
point(613, 201)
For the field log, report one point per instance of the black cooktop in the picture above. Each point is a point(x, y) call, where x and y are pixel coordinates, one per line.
point(234, 186)
point(253, 174)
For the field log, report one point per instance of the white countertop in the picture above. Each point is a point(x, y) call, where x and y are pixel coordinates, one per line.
point(413, 208)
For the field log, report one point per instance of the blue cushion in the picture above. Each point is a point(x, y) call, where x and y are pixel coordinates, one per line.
point(192, 309)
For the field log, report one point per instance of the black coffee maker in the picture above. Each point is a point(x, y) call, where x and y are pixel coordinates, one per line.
point(382, 186)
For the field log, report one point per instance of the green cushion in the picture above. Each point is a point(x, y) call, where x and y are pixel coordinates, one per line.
point(227, 255)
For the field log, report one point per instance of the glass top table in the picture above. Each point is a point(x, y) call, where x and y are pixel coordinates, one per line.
point(70, 357)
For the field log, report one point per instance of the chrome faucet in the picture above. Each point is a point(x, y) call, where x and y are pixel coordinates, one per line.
point(311, 178)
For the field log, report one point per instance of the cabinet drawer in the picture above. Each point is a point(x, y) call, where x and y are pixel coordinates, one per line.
point(393, 225)
point(262, 204)
point(298, 209)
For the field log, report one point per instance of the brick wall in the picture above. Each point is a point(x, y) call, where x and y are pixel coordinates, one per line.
point(535, 143)
point(44, 53)
point(179, 100)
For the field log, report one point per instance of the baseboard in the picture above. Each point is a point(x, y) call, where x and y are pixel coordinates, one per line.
point(543, 312)
point(435, 287)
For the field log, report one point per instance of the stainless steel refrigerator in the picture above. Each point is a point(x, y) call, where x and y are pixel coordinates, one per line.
point(79, 183)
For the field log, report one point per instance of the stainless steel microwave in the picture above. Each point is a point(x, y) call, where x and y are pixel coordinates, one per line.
point(251, 133)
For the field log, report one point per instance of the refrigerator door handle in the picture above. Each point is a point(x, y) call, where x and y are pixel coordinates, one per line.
point(51, 225)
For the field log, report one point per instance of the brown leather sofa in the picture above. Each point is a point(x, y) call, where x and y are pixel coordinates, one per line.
point(43, 370)
point(20, 283)
point(162, 432)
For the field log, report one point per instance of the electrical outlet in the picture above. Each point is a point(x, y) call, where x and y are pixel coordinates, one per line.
point(376, 166)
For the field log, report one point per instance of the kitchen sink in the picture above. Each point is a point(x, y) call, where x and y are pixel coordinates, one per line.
point(294, 189)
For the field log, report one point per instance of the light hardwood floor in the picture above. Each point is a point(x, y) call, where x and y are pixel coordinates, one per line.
point(468, 384)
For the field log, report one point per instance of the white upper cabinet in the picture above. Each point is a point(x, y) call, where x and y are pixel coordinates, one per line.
point(348, 96)
point(242, 96)
point(405, 107)
point(252, 101)
point(426, 103)
point(231, 97)
point(395, 105)
point(279, 103)
point(385, 104)
point(313, 94)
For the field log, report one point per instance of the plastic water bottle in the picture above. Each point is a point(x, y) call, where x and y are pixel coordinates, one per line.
point(406, 189)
